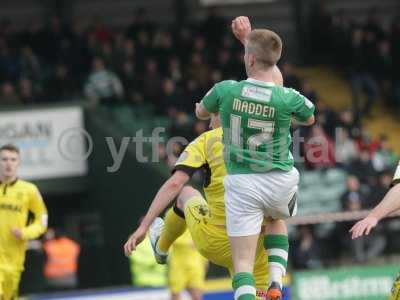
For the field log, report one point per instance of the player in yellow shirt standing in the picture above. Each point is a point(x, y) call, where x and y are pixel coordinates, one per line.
point(17, 199)
point(187, 269)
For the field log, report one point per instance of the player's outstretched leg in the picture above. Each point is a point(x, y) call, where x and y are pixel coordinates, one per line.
point(163, 233)
point(276, 244)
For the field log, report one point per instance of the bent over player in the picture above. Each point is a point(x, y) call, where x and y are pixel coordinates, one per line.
point(17, 199)
point(262, 182)
point(389, 204)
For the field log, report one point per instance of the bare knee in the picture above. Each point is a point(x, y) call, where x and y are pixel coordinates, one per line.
point(277, 226)
point(186, 193)
point(196, 294)
point(175, 297)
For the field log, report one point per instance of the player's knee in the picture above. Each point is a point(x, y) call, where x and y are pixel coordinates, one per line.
point(187, 193)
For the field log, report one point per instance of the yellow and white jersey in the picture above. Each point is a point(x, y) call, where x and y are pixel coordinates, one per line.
point(396, 177)
point(206, 152)
point(17, 199)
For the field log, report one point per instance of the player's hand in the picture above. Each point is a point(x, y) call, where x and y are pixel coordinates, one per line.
point(241, 27)
point(363, 227)
point(17, 233)
point(134, 240)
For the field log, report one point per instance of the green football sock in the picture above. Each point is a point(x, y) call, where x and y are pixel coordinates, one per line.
point(244, 286)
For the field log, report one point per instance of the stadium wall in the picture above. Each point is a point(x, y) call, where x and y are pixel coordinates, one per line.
point(121, 198)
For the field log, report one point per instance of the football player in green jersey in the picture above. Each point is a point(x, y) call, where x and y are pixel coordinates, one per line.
point(262, 181)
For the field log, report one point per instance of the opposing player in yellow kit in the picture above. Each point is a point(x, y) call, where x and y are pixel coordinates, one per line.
point(204, 219)
point(17, 199)
point(389, 204)
point(187, 269)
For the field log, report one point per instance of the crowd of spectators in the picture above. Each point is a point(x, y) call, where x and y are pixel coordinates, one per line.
point(169, 67)
point(368, 52)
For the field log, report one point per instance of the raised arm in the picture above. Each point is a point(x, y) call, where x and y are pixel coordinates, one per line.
point(166, 194)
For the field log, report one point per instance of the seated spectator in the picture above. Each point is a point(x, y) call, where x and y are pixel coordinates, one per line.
point(361, 77)
point(326, 117)
point(171, 98)
point(354, 199)
point(151, 83)
point(308, 91)
point(199, 70)
point(30, 65)
point(306, 252)
point(174, 70)
point(290, 79)
point(130, 82)
point(60, 86)
point(102, 85)
point(366, 142)
point(363, 168)
point(364, 248)
point(26, 91)
point(377, 194)
point(395, 51)
point(319, 149)
point(349, 122)
point(346, 149)
point(9, 95)
point(384, 158)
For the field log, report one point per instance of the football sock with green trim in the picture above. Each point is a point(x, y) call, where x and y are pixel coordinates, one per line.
point(244, 286)
point(277, 246)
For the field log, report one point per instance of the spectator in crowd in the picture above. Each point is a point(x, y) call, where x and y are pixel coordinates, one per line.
point(382, 67)
point(395, 52)
point(319, 149)
point(308, 91)
point(8, 95)
point(362, 44)
point(377, 194)
point(384, 158)
point(151, 84)
point(26, 91)
point(103, 85)
point(320, 17)
point(61, 85)
point(326, 117)
point(349, 122)
point(353, 200)
point(306, 253)
point(30, 65)
point(362, 167)
point(130, 83)
point(346, 149)
point(171, 100)
point(290, 79)
point(199, 70)
point(367, 143)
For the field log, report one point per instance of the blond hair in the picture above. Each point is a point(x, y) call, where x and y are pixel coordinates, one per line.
point(266, 46)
